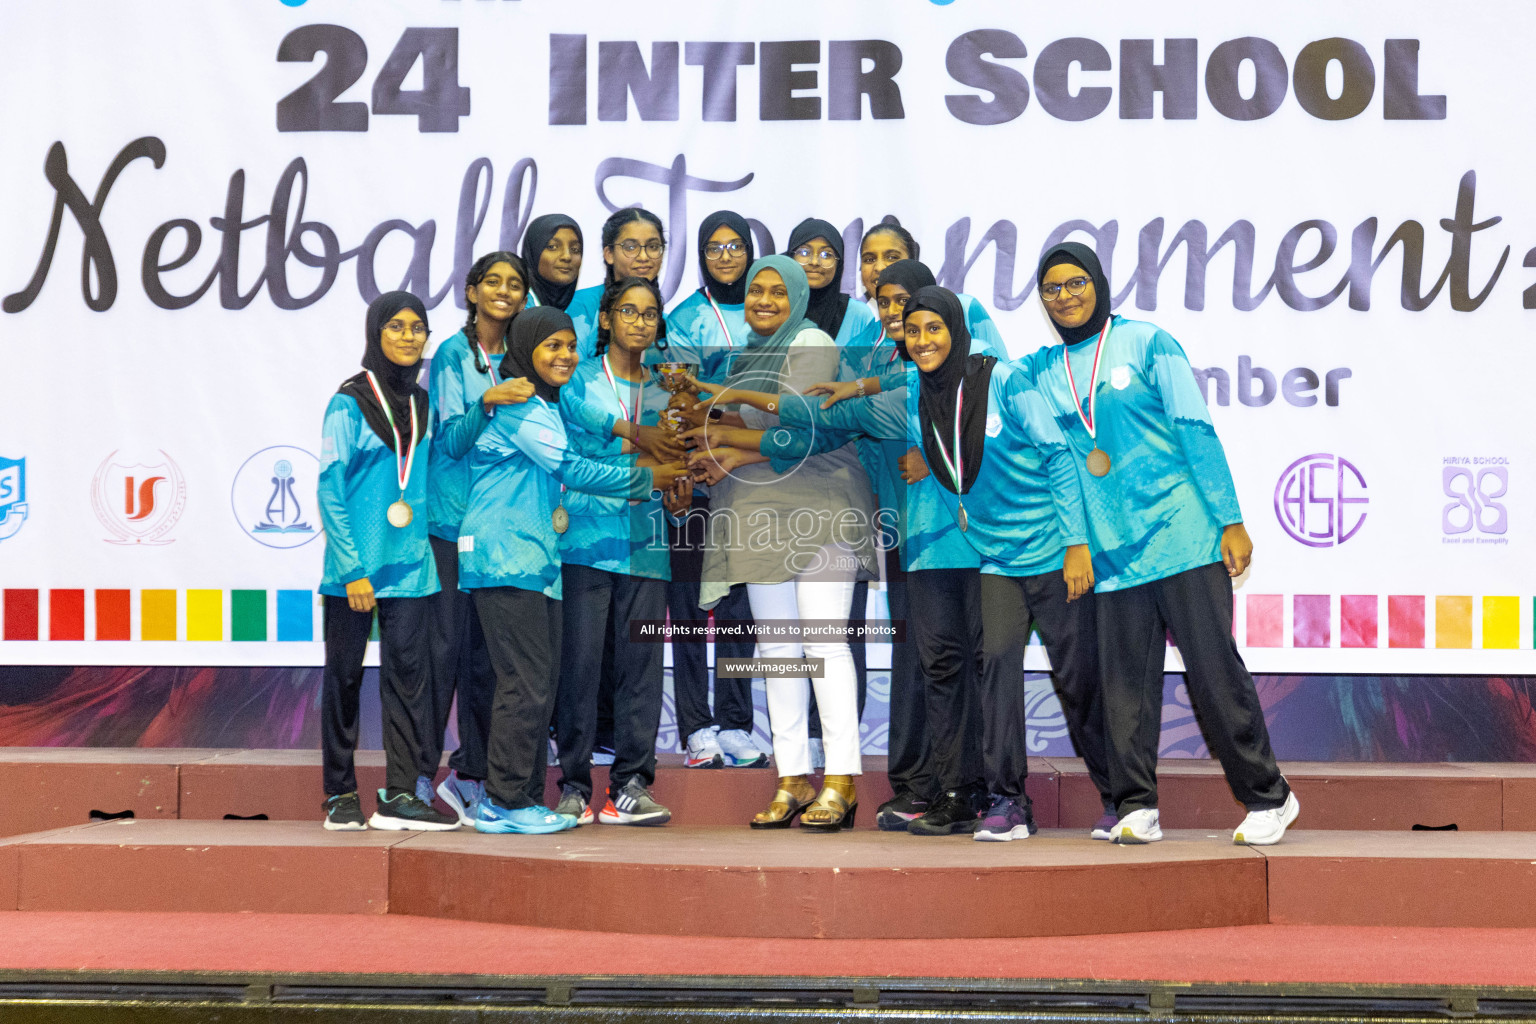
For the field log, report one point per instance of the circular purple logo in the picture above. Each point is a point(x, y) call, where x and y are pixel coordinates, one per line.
point(1315, 500)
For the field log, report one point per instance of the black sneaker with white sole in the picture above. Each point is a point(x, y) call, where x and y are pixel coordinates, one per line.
point(900, 811)
point(406, 812)
point(343, 813)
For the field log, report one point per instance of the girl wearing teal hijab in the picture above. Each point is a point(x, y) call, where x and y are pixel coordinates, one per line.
point(799, 540)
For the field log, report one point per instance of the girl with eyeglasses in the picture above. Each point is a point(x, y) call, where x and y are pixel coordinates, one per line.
point(523, 471)
point(799, 540)
point(704, 330)
point(1167, 537)
point(464, 375)
point(552, 250)
point(633, 246)
point(374, 454)
point(615, 566)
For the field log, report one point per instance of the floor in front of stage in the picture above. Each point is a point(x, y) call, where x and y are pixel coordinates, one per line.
point(395, 945)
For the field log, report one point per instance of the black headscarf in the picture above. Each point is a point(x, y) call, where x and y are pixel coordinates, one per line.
point(398, 383)
point(936, 400)
point(530, 329)
point(735, 293)
point(914, 277)
point(828, 303)
point(1079, 255)
point(540, 231)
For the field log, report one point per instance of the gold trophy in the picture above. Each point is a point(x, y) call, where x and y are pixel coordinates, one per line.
point(673, 379)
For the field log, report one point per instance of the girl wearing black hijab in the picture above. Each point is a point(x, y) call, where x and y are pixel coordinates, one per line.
point(510, 561)
point(705, 329)
point(552, 249)
point(1005, 474)
point(1167, 537)
point(372, 495)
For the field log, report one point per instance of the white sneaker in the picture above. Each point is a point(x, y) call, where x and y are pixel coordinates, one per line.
point(818, 756)
point(703, 750)
point(1139, 827)
point(739, 750)
point(1266, 828)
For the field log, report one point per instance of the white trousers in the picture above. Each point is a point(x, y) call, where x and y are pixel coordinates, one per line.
point(825, 594)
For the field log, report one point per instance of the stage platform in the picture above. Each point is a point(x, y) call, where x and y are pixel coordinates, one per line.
point(855, 885)
point(46, 788)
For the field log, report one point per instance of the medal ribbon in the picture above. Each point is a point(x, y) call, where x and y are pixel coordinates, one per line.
point(957, 467)
point(1091, 420)
point(730, 342)
point(490, 366)
point(623, 405)
point(402, 466)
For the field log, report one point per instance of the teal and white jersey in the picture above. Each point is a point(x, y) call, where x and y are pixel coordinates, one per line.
point(358, 482)
point(695, 335)
point(858, 336)
point(517, 468)
point(1161, 509)
point(583, 314)
point(612, 533)
point(456, 386)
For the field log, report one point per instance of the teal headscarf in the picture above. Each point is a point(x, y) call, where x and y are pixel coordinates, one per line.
point(760, 366)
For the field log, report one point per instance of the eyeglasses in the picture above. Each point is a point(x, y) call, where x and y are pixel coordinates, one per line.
point(899, 303)
point(1074, 286)
point(416, 330)
point(806, 255)
point(652, 248)
point(715, 250)
point(629, 314)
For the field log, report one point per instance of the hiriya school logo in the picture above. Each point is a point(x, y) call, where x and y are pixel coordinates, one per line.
point(1316, 497)
point(138, 502)
point(273, 496)
point(13, 496)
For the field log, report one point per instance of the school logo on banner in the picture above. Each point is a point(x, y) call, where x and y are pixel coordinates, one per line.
point(1320, 500)
point(273, 496)
point(13, 496)
point(138, 502)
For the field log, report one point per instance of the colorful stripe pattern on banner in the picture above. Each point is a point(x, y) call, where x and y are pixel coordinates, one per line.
point(191, 615)
point(1443, 621)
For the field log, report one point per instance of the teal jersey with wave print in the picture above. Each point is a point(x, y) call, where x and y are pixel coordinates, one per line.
point(695, 335)
point(611, 533)
point(583, 314)
point(359, 480)
point(1169, 493)
point(456, 386)
point(517, 468)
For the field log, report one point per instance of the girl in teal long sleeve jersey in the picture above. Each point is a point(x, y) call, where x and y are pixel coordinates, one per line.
point(633, 246)
point(465, 376)
point(509, 559)
point(1167, 538)
point(372, 489)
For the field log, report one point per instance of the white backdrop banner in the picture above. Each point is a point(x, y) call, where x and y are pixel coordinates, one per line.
point(1329, 206)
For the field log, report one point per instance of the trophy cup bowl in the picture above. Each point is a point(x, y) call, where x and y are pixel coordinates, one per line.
point(673, 377)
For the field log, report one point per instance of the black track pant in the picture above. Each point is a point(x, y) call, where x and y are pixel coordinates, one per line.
point(598, 602)
point(944, 625)
point(522, 632)
point(690, 662)
point(1010, 607)
point(908, 743)
point(1196, 607)
point(460, 664)
point(404, 689)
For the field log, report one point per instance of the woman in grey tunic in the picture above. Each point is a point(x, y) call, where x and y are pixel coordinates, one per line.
point(799, 539)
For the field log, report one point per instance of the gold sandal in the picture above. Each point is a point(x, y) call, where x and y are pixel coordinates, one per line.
point(834, 809)
point(794, 795)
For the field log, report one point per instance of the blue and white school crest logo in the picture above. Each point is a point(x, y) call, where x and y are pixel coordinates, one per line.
point(274, 496)
point(13, 496)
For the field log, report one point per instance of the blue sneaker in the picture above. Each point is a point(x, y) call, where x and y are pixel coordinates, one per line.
point(1007, 820)
point(424, 789)
point(461, 795)
point(528, 821)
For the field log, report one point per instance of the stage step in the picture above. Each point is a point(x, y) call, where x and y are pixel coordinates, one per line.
point(44, 788)
point(789, 884)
